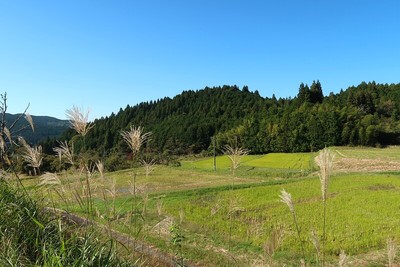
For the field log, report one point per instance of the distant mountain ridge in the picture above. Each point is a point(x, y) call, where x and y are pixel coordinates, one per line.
point(44, 127)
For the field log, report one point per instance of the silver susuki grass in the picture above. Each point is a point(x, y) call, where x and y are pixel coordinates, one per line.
point(29, 119)
point(8, 134)
point(235, 154)
point(100, 168)
point(79, 120)
point(32, 155)
point(49, 179)
point(135, 138)
point(65, 152)
point(325, 162)
point(148, 166)
point(315, 242)
point(287, 199)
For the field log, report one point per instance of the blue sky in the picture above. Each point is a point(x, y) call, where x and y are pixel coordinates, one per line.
point(104, 55)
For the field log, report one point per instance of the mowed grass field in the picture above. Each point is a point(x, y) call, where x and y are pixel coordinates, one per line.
point(231, 226)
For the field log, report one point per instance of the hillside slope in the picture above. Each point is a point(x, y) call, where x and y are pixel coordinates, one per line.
point(367, 114)
point(44, 127)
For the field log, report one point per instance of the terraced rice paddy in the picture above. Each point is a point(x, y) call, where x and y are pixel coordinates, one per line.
point(229, 220)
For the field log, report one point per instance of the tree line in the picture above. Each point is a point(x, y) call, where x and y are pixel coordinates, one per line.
point(367, 114)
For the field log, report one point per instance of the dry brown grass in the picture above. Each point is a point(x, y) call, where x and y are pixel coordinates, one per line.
point(79, 120)
point(342, 259)
point(64, 151)
point(148, 166)
point(235, 154)
point(29, 119)
point(32, 155)
point(391, 251)
point(325, 162)
point(287, 199)
point(366, 165)
point(135, 138)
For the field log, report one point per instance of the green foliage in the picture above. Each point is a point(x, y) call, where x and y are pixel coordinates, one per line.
point(361, 213)
point(177, 236)
point(116, 161)
point(365, 115)
point(347, 228)
point(31, 237)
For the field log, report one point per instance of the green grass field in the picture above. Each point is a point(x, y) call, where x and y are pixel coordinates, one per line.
point(389, 153)
point(293, 161)
point(362, 208)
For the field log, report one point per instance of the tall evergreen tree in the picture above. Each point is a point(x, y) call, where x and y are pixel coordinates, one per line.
point(316, 95)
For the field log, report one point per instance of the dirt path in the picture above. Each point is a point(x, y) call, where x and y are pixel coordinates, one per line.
point(157, 257)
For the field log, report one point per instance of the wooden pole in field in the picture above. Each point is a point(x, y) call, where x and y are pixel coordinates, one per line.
point(215, 156)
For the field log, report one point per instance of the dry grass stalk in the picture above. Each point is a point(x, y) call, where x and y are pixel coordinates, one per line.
point(32, 155)
point(64, 151)
point(342, 259)
point(8, 134)
point(149, 166)
point(181, 215)
point(49, 179)
point(113, 192)
point(105, 183)
point(133, 190)
point(159, 206)
point(391, 251)
point(315, 242)
point(274, 241)
point(234, 207)
point(89, 169)
point(235, 154)
point(109, 188)
point(100, 168)
point(2, 145)
point(287, 199)
point(325, 162)
point(145, 199)
point(79, 120)
point(135, 138)
point(29, 119)
point(255, 227)
point(4, 175)
point(214, 209)
point(233, 210)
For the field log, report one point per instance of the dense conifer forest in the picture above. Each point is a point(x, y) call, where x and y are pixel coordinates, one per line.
point(367, 114)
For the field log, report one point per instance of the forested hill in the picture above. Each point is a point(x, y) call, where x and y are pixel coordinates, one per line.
point(183, 124)
point(367, 114)
point(44, 127)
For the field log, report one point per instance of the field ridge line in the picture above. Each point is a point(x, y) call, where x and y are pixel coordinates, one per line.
point(340, 153)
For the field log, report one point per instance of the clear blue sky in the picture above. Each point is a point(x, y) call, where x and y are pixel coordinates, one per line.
point(104, 55)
